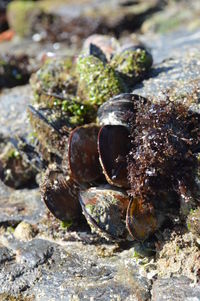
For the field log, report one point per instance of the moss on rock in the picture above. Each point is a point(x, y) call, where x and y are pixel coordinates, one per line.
point(21, 15)
point(97, 82)
point(132, 65)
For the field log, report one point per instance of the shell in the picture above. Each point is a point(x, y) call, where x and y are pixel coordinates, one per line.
point(83, 154)
point(113, 147)
point(115, 110)
point(105, 211)
point(141, 221)
point(60, 194)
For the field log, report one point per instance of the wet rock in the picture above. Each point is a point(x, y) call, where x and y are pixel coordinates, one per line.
point(176, 65)
point(46, 270)
point(176, 289)
point(74, 21)
point(34, 253)
point(19, 205)
point(13, 105)
point(176, 15)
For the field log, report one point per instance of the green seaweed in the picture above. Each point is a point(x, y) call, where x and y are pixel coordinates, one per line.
point(97, 82)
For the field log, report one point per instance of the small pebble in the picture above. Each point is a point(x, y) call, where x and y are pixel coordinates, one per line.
point(24, 231)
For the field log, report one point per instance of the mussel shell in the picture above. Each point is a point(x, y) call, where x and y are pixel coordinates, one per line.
point(83, 154)
point(115, 110)
point(105, 211)
point(113, 147)
point(141, 220)
point(60, 194)
point(47, 132)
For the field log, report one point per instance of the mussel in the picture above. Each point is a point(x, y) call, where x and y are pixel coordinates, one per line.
point(105, 210)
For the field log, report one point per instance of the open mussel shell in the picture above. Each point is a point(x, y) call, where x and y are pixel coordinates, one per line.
point(83, 154)
point(60, 194)
point(105, 211)
point(113, 147)
point(141, 220)
point(116, 110)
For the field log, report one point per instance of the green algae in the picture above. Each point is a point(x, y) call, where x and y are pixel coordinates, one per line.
point(132, 65)
point(20, 14)
point(55, 76)
point(97, 82)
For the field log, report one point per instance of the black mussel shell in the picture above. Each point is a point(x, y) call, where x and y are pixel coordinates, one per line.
point(113, 147)
point(60, 194)
point(83, 154)
point(115, 111)
point(105, 211)
point(141, 220)
point(131, 47)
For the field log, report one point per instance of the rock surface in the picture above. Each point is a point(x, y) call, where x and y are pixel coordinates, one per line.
point(175, 289)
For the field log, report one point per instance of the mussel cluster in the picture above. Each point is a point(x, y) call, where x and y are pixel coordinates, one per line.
point(127, 162)
point(130, 170)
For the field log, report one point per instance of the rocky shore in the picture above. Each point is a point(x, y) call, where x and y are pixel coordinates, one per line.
point(42, 258)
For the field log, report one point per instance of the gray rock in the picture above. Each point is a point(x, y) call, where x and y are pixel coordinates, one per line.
point(18, 205)
point(176, 63)
point(5, 255)
point(13, 104)
point(176, 289)
point(48, 271)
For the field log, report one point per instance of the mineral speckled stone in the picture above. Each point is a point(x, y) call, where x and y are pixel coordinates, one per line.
point(18, 205)
point(176, 289)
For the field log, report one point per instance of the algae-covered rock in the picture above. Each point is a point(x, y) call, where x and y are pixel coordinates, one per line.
point(21, 16)
point(55, 87)
point(55, 76)
point(132, 64)
point(97, 81)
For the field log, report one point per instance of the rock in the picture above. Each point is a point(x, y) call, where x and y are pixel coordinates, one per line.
point(176, 15)
point(73, 21)
point(13, 105)
point(176, 289)
point(176, 66)
point(46, 270)
point(132, 64)
point(21, 16)
point(179, 255)
point(24, 231)
point(6, 254)
point(108, 44)
point(19, 205)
